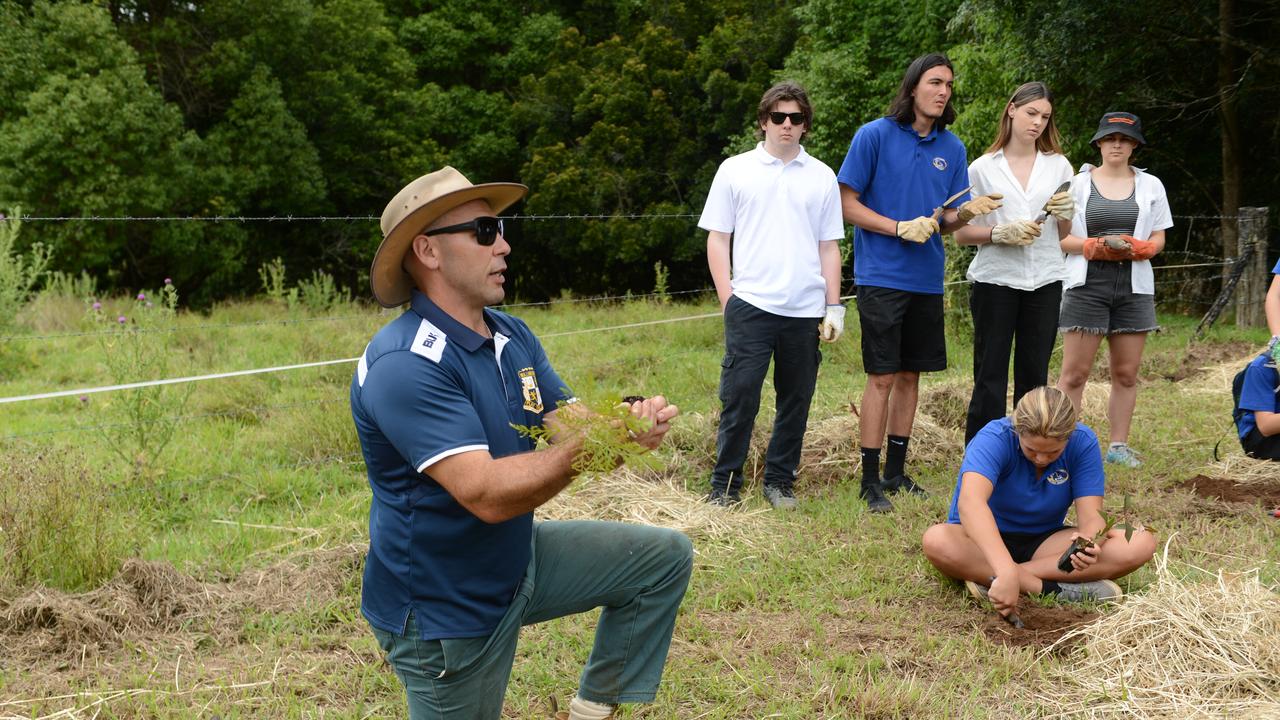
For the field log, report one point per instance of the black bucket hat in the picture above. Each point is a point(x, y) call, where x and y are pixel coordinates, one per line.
point(1126, 124)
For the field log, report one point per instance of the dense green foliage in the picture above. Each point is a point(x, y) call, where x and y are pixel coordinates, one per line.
point(327, 107)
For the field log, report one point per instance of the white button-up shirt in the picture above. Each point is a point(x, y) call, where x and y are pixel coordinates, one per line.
point(778, 213)
point(1153, 214)
point(1019, 267)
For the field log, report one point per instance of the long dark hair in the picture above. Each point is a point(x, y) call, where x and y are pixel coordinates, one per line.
point(1049, 141)
point(903, 108)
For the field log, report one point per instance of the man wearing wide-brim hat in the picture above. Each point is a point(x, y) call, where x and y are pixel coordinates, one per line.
point(456, 563)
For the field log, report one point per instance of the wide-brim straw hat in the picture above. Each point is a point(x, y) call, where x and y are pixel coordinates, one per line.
point(415, 207)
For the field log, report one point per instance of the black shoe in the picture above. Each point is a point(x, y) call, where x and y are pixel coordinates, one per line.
point(876, 501)
point(723, 498)
point(903, 483)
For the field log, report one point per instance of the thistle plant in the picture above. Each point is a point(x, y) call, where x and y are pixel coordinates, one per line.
point(1123, 521)
point(139, 423)
point(19, 272)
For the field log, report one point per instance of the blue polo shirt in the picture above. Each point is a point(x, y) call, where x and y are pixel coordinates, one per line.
point(426, 388)
point(1259, 392)
point(1021, 502)
point(902, 176)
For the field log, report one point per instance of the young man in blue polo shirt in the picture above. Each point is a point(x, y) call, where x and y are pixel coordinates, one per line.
point(777, 208)
point(899, 169)
point(456, 564)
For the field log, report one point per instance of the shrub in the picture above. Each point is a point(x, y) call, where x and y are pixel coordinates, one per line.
point(56, 526)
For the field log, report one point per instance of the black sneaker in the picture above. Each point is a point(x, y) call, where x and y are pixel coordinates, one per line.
point(876, 501)
point(723, 498)
point(903, 483)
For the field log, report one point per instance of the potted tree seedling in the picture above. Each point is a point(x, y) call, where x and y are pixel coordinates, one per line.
point(1123, 521)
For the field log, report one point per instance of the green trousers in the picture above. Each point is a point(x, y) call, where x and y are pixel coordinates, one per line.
point(637, 573)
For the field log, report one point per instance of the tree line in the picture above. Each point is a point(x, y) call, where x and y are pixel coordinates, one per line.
point(262, 108)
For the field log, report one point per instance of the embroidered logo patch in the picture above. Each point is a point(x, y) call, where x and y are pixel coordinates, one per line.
point(529, 389)
point(940, 163)
point(1057, 477)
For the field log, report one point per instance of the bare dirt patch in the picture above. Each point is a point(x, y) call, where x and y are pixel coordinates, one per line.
point(1226, 490)
point(1043, 626)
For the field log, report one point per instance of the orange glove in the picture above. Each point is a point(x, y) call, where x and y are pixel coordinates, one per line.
point(1142, 249)
point(1096, 249)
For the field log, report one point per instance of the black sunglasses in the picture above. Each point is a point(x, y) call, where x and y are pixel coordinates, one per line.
point(797, 118)
point(486, 227)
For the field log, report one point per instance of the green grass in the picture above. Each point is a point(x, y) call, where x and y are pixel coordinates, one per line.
point(261, 500)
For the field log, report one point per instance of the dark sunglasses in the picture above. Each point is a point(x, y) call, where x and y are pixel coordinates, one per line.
point(487, 229)
point(797, 118)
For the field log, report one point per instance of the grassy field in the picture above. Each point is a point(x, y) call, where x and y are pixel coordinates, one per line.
point(196, 551)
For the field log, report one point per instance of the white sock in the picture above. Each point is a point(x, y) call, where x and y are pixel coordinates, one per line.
point(580, 709)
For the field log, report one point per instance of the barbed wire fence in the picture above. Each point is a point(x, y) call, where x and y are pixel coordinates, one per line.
point(1186, 279)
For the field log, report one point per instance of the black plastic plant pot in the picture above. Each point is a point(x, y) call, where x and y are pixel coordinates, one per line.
point(1064, 562)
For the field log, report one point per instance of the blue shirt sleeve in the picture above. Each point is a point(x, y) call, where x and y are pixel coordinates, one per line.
point(1259, 390)
point(859, 167)
point(987, 454)
point(1087, 476)
point(422, 409)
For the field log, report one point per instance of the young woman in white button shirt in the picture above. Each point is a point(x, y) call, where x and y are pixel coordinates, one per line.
point(1018, 271)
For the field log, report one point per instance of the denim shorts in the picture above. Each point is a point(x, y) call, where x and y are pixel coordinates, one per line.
point(1106, 304)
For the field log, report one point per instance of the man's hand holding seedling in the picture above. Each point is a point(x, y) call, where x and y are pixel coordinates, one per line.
point(654, 416)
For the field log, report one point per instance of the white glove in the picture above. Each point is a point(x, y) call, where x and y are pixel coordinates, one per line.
point(980, 205)
point(918, 230)
point(1061, 205)
point(1019, 232)
point(832, 325)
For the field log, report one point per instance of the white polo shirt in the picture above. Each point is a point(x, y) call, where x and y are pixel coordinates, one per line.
point(1153, 214)
point(1019, 267)
point(778, 213)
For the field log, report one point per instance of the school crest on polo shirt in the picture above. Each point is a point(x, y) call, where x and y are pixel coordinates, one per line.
point(940, 163)
point(529, 390)
point(1057, 477)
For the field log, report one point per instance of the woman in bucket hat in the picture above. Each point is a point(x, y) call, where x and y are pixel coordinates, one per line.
point(1119, 224)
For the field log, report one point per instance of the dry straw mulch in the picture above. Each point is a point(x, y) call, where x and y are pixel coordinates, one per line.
point(656, 497)
point(1244, 470)
point(1180, 649)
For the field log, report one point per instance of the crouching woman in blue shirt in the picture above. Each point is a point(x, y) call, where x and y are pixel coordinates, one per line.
point(1005, 532)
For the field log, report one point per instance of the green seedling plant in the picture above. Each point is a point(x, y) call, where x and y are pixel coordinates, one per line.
point(606, 429)
point(1123, 521)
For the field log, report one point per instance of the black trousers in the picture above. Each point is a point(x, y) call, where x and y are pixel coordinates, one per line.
point(751, 338)
point(1002, 316)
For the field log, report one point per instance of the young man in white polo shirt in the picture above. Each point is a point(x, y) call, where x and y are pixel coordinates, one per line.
point(773, 222)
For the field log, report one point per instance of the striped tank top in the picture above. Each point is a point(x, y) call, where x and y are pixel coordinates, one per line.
point(1104, 217)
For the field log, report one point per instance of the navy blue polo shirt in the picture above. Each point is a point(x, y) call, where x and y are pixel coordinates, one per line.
point(1259, 392)
point(426, 388)
point(902, 176)
point(1021, 502)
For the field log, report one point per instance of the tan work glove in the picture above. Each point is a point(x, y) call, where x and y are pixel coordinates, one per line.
point(1061, 205)
point(918, 230)
point(832, 325)
point(980, 205)
point(1019, 233)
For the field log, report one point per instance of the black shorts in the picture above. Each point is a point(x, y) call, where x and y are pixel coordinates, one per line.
point(1022, 546)
point(1262, 447)
point(901, 331)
